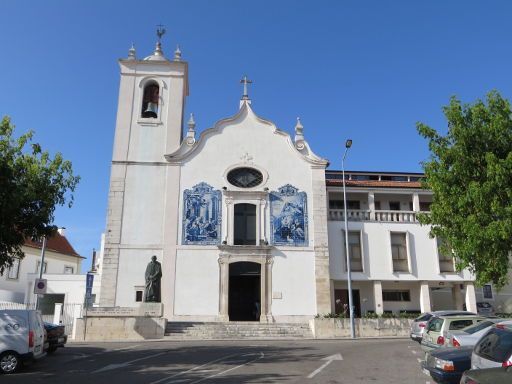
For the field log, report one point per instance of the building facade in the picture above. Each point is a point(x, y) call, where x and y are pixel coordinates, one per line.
point(248, 224)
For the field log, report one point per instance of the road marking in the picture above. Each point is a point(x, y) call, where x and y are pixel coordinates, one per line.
point(419, 360)
point(193, 369)
point(230, 369)
point(125, 364)
point(83, 355)
point(414, 352)
point(329, 359)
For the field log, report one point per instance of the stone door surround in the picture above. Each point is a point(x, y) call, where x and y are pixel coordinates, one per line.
point(260, 254)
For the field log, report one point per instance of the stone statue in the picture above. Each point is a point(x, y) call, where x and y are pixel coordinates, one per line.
point(153, 276)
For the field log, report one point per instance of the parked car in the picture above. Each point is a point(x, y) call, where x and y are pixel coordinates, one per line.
point(438, 327)
point(21, 338)
point(494, 349)
point(469, 336)
point(56, 336)
point(419, 324)
point(446, 365)
point(484, 308)
point(487, 376)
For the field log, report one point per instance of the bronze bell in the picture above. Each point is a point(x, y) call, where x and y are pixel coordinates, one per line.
point(151, 110)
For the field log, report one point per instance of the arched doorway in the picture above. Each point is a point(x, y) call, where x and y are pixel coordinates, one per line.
point(244, 300)
point(245, 224)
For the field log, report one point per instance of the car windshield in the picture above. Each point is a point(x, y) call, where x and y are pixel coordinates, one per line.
point(478, 327)
point(495, 345)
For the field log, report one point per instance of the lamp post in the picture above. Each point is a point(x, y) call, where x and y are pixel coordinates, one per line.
point(348, 144)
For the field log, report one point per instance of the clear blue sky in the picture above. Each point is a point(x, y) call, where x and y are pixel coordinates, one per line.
point(366, 70)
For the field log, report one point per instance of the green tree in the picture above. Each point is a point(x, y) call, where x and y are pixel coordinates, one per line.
point(470, 174)
point(32, 184)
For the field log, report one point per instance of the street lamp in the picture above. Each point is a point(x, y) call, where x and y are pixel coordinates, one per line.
point(348, 144)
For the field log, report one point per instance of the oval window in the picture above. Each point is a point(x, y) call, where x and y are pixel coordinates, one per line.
point(245, 177)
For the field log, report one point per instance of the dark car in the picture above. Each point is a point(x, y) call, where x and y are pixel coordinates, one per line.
point(446, 365)
point(56, 337)
point(487, 376)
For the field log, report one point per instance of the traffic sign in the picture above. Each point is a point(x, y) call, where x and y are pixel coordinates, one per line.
point(40, 286)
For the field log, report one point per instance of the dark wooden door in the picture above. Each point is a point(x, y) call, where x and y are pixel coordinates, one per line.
point(341, 302)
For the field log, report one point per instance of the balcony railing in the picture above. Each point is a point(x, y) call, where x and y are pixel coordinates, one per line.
point(380, 215)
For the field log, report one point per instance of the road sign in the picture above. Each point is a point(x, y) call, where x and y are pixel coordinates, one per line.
point(40, 286)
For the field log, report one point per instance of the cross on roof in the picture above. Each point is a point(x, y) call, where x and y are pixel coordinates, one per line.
point(245, 81)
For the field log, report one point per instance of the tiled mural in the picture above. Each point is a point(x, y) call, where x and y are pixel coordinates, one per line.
point(202, 215)
point(288, 217)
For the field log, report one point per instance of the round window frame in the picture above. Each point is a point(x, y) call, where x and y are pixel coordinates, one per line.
point(261, 185)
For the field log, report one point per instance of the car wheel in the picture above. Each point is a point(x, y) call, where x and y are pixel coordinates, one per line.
point(9, 362)
point(51, 350)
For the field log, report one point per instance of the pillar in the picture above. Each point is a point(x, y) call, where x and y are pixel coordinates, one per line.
point(371, 205)
point(457, 297)
point(266, 291)
point(470, 297)
point(377, 294)
point(415, 202)
point(425, 305)
point(223, 289)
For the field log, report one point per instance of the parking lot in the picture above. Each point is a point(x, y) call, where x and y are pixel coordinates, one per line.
point(165, 362)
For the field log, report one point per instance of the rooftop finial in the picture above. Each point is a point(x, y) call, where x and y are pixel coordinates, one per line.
point(191, 123)
point(245, 81)
point(191, 134)
point(177, 53)
point(299, 135)
point(131, 53)
point(160, 31)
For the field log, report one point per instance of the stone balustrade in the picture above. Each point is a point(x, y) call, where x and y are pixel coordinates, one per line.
point(379, 215)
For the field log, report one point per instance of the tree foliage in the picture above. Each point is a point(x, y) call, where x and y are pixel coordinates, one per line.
point(32, 184)
point(470, 174)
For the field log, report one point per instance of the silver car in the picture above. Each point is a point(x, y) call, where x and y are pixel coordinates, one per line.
point(469, 336)
point(420, 323)
point(494, 349)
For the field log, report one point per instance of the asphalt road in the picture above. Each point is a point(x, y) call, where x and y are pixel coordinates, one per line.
point(168, 362)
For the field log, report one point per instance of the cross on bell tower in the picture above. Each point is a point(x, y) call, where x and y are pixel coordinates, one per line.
point(245, 81)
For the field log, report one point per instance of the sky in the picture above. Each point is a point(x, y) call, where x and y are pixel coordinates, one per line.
point(364, 70)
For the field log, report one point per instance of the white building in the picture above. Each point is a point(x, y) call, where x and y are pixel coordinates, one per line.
point(17, 282)
point(247, 222)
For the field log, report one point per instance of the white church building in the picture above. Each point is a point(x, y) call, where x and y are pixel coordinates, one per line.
point(248, 223)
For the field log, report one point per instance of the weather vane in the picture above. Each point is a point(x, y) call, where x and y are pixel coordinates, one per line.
point(245, 81)
point(160, 31)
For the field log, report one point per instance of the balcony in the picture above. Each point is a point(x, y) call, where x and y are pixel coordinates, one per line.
point(378, 215)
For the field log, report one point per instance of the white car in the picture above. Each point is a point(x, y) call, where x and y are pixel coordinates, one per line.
point(21, 338)
point(494, 349)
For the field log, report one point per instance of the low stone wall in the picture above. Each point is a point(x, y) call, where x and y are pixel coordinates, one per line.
point(340, 328)
point(118, 323)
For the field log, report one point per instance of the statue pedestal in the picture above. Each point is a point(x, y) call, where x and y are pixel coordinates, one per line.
point(121, 323)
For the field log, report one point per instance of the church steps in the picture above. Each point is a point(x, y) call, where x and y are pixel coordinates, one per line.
point(236, 330)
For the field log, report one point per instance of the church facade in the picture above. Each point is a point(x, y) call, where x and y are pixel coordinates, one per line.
point(247, 223)
point(236, 216)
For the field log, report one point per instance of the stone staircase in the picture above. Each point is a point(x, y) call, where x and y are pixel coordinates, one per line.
point(236, 331)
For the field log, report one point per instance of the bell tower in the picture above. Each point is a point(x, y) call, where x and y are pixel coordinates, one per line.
point(149, 125)
point(151, 103)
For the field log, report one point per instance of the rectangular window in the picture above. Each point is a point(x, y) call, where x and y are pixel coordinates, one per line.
point(396, 295)
point(399, 252)
point(445, 258)
point(339, 204)
point(487, 288)
point(425, 206)
point(354, 251)
point(68, 270)
point(377, 205)
point(38, 267)
point(394, 205)
point(14, 270)
point(138, 296)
